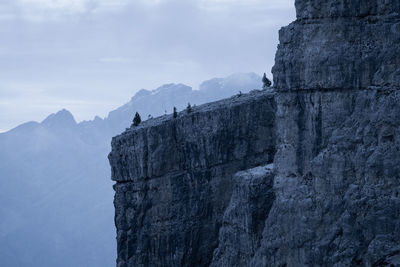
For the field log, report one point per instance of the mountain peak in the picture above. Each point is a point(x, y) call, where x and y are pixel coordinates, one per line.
point(232, 83)
point(172, 87)
point(141, 93)
point(62, 118)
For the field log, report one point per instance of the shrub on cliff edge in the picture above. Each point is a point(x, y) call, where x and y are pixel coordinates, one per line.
point(137, 120)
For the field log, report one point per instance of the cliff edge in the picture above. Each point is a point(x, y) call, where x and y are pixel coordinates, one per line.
point(175, 177)
point(201, 190)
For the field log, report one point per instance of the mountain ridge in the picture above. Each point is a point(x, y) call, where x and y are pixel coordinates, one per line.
point(57, 169)
point(225, 87)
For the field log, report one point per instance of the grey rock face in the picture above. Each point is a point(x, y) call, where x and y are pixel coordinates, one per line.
point(337, 181)
point(313, 9)
point(244, 218)
point(333, 198)
point(338, 152)
point(213, 134)
point(342, 45)
point(175, 178)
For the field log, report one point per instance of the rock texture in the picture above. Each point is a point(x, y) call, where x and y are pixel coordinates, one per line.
point(333, 197)
point(174, 178)
point(337, 181)
point(338, 148)
point(244, 218)
point(340, 44)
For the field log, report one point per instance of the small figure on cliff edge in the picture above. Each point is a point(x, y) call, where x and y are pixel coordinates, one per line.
point(175, 113)
point(137, 120)
point(189, 108)
point(266, 82)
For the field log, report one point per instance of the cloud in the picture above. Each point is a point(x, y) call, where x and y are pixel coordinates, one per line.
point(105, 50)
point(73, 5)
point(56, 10)
point(114, 59)
point(254, 5)
point(44, 10)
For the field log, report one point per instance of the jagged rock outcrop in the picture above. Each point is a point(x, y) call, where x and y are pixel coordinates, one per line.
point(333, 197)
point(174, 178)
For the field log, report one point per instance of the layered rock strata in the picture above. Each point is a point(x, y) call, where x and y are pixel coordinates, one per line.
point(174, 178)
point(333, 196)
point(337, 165)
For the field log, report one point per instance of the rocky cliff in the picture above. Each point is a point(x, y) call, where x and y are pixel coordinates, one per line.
point(174, 178)
point(337, 165)
point(332, 195)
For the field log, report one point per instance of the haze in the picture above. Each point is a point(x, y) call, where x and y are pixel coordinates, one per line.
point(90, 56)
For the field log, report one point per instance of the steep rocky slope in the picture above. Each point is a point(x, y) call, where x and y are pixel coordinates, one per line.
point(332, 197)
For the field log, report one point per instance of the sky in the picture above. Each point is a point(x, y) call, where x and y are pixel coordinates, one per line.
point(91, 56)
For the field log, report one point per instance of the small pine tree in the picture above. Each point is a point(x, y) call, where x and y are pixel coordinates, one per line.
point(266, 82)
point(175, 114)
point(137, 120)
point(189, 108)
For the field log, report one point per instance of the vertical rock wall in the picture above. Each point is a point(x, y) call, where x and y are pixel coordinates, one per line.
point(175, 178)
point(337, 165)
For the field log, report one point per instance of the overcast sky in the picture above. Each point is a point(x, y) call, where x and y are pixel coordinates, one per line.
point(91, 56)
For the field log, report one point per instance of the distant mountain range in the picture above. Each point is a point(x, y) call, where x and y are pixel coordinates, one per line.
point(56, 194)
